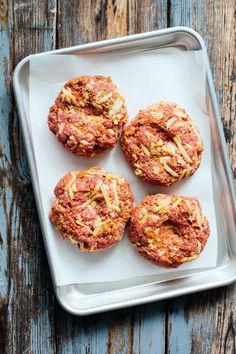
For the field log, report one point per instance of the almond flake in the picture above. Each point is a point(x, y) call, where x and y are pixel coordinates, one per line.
point(161, 205)
point(181, 148)
point(170, 122)
point(61, 127)
point(169, 169)
point(68, 96)
point(145, 150)
point(164, 159)
point(104, 98)
point(106, 195)
point(188, 171)
point(181, 176)
point(84, 142)
point(177, 202)
point(116, 107)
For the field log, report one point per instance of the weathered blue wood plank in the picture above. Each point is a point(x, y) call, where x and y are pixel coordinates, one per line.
point(26, 295)
point(81, 335)
point(5, 165)
point(205, 322)
point(150, 329)
point(5, 75)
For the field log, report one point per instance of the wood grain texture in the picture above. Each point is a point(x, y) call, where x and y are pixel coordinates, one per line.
point(26, 294)
point(31, 321)
point(207, 321)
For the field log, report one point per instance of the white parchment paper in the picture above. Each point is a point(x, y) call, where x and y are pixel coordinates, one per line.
point(144, 78)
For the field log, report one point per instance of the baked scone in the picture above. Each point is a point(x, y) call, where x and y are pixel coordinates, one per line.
point(162, 144)
point(168, 230)
point(88, 115)
point(91, 208)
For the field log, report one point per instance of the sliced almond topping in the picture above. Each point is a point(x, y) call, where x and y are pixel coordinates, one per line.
point(75, 129)
point(159, 143)
point(169, 169)
point(80, 223)
point(71, 181)
point(134, 156)
point(170, 122)
point(180, 113)
point(181, 148)
point(162, 219)
point(111, 131)
point(138, 172)
point(150, 135)
point(97, 187)
point(198, 217)
point(161, 205)
point(145, 150)
point(137, 165)
point(90, 200)
point(188, 171)
point(60, 127)
point(106, 195)
point(164, 103)
point(114, 184)
point(161, 252)
point(115, 207)
point(155, 115)
point(71, 193)
point(199, 246)
point(89, 87)
point(182, 174)
point(116, 107)
point(163, 210)
point(94, 104)
point(84, 142)
point(189, 205)
point(170, 148)
point(88, 173)
point(67, 95)
point(97, 226)
point(177, 202)
point(181, 124)
point(164, 159)
point(156, 170)
point(104, 98)
point(144, 219)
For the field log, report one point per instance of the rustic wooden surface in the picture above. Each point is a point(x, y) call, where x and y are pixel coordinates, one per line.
point(31, 321)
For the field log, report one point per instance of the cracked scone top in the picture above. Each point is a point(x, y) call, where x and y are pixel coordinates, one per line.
point(162, 144)
point(88, 115)
point(91, 208)
point(169, 230)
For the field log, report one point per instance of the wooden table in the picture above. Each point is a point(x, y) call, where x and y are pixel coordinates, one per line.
point(31, 320)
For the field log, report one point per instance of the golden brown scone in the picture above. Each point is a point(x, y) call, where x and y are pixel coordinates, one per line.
point(162, 144)
point(91, 208)
point(168, 230)
point(88, 115)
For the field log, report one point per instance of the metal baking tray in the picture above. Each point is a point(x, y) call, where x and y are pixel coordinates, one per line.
point(85, 299)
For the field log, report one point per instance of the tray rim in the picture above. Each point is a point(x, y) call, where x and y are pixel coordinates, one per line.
point(20, 108)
